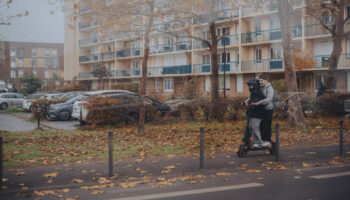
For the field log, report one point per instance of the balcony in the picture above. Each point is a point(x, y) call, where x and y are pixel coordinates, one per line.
point(129, 53)
point(88, 41)
point(268, 35)
point(206, 68)
point(219, 15)
point(173, 47)
point(228, 40)
point(125, 73)
point(170, 70)
point(315, 30)
point(262, 65)
point(323, 61)
point(84, 9)
point(85, 75)
point(89, 58)
point(83, 26)
point(108, 56)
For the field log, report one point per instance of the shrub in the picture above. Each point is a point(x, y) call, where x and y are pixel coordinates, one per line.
point(235, 109)
point(133, 87)
point(43, 105)
point(331, 104)
point(71, 87)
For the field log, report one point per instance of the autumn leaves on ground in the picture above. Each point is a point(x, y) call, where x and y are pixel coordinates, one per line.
point(43, 147)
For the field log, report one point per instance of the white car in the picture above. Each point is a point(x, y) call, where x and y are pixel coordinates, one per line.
point(79, 105)
point(27, 103)
point(10, 99)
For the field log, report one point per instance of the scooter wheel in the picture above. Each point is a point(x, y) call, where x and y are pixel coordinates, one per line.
point(242, 153)
point(273, 148)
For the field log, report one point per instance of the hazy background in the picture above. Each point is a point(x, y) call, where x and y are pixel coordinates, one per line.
point(41, 25)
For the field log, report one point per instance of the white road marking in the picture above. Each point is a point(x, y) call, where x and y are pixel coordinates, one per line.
point(331, 175)
point(189, 192)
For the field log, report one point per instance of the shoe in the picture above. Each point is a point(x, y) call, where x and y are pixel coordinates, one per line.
point(266, 144)
point(256, 145)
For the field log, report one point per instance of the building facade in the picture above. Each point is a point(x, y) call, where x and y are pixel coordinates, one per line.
point(252, 47)
point(44, 60)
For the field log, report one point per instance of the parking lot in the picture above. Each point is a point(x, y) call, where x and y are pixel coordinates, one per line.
point(20, 121)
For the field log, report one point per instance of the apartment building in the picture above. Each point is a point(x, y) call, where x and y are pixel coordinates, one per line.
point(252, 47)
point(44, 60)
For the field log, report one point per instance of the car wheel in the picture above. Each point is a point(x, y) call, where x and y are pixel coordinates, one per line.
point(64, 115)
point(4, 106)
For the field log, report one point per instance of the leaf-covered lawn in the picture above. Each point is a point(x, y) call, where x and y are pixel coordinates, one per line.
point(51, 146)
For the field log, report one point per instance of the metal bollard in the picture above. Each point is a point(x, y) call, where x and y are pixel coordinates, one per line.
point(341, 139)
point(201, 148)
point(277, 145)
point(0, 163)
point(38, 118)
point(81, 117)
point(110, 152)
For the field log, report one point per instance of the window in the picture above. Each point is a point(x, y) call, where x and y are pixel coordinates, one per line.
point(206, 59)
point(13, 74)
point(35, 73)
point(348, 81)
point(47, 52)
point(320, 78)
point(34, 52)
point(20, 73)
point(239, 83)
point(257, 26)
point(225, 58)
point(168, 85)
point(156, 84)
point(57, 83)
point(47, 73)
point(207, 84)
point(54, 73)
point(47, 62)
point(221, 83)
point(348, 48)
point(276, 53)
point(34, 62)
point(348, 8)
point(13, 52)
point(54, 52)
point(275, 23)
point(20, 62)
point(13, 62)
point(21, 52)
point(258, 56)
point(326, 17)
point(54, 62)
point(44, 84)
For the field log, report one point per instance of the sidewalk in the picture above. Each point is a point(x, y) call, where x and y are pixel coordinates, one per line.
point(27, 180)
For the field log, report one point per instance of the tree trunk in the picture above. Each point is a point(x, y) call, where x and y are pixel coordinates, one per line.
point(214, 72)
point(295, 114)
point(142, 92)
point(338, 36)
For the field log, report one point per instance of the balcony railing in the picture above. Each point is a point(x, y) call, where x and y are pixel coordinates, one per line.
point(228, 40)
point(88, 41)
point(125, 73)
point(85, 75)
point(178, 46)
point(268, 35)
point(87, 25)
point(218, 15)
point(315, 29)
point(262, 65)
point(170, 70)
point(108, 56)
point(89, 58)
point(129, 53)
point(84, 9)
point(206, 68)
point(325, 60)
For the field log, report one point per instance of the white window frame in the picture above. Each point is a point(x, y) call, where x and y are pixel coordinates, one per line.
point(239, 83)
point(258, 55)
point(57, 83)
point(47, 73)
point(20, 73)
point(35, 73)
point(47, 52)
point(206, 59)
point(54, 73)
point(156, 85)
point(34, 52)
point(54, 62)
point(221, 83)
point(20, 62)
point(323, 79)
point(13, 62)
point(34, 62)
point(47, 62)
point(276, 53)
point(207, 84)
point(20, 52)
point(348, 48)
point(54, 52)
point(13, 73)
point(168, 85)
point(13, 52)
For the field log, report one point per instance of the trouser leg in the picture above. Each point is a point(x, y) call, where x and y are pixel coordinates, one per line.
point(265, 126)
point(255, 123)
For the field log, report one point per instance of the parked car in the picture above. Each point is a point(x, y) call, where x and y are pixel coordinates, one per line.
point(68, 95)
point(10, 99)
point(79, 105)
point(62, 111)
point(128, 107)
point(51, 96)
point(27, 103)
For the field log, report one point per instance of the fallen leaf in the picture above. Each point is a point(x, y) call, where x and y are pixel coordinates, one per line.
point(20, 173)
point(223, 174)
point(51, 175)
point(260, 178)
point(311, 153)
point(4, 179)
point(78, 181)
point(306, 165)
point(253, 171)
point(96, 192)
point(44, 192)
point(65, 190)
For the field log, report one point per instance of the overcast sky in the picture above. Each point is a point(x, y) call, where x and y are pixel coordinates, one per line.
point(39, 26)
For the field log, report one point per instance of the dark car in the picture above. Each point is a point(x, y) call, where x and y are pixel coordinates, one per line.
point(128, 107)
point(62, 111)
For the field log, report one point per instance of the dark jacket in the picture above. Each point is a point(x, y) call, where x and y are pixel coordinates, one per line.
point(256, 111)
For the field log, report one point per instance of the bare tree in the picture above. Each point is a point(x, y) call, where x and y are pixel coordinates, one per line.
point(323, 11)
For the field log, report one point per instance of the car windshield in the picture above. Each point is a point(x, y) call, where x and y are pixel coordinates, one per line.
point(72, 100)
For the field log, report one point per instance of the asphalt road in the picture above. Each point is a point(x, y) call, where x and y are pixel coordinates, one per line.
point(19, 122)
